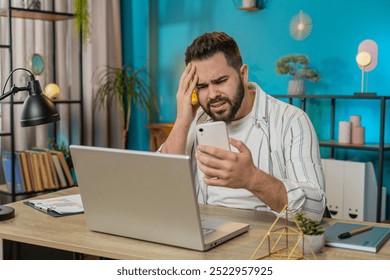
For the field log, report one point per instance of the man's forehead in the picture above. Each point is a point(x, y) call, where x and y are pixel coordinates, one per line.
point(212, 68)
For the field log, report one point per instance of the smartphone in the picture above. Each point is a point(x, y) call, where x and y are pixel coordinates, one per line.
point(213, 134)
point(194, 97)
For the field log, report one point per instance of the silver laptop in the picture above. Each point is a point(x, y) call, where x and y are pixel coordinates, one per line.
point(145, 195)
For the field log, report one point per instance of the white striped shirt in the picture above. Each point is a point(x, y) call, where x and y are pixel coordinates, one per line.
point(284, 144)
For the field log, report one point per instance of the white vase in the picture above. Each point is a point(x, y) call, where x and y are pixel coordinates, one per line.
point(317, 242)
point(248, 3)
point(296, 87)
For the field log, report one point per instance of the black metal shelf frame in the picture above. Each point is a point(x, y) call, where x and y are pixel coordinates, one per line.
point(381, 147)
point(52, 16)
point(37, 14)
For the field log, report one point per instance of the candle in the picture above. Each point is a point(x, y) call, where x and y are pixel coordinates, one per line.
point(344, 132)
point(355, 120)
point(357, 135)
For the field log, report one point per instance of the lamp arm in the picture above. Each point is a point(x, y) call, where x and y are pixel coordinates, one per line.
point(13, 90)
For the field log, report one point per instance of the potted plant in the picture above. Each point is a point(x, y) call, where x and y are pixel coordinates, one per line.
point(128, 87)
point(297, 65)
point(313, 232)
point(82, 19)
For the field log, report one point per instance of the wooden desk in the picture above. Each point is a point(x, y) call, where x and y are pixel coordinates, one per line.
point(70, 233)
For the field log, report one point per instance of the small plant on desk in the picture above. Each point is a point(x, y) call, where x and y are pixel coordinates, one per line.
point(308, 227)
point(313, 231)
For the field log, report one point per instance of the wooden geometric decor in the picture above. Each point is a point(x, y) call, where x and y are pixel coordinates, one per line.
point(283, 242)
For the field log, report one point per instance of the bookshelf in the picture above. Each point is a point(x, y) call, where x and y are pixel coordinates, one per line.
point(53, 17)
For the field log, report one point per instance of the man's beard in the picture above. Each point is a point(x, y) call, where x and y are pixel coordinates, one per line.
point(229, 114)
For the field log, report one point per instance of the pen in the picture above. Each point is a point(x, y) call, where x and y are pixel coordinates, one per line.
point(353, 232)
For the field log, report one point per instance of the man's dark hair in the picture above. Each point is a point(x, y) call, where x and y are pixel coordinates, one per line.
point(208, 44)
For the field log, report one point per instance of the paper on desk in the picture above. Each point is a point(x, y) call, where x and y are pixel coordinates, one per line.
point(69, 204)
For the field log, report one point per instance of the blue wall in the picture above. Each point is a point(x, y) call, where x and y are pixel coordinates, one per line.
point(135, 44)
point(263, 36)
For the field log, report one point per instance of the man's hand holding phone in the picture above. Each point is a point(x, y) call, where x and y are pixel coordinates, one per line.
point(221, 166)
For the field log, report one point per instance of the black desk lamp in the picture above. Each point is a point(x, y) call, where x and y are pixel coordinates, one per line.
point(37, 109)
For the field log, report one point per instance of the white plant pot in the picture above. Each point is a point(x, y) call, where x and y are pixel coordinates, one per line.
point(317, 242)
point(296, 87)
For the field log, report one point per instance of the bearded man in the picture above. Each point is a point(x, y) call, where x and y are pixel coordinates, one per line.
point(276, 161)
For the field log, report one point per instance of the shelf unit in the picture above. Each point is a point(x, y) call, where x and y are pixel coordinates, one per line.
point(35, 14)
point(52, 16)
point(251, 9)
point(379, 147)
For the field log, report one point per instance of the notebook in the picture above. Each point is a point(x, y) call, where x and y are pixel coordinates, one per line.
point(145, 195)
point(369, 241)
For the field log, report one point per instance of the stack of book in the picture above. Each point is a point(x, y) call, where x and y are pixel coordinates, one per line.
point(37, 169)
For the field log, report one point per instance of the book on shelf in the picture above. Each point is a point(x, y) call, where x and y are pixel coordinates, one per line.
point(25, 171)
point(31, 169)
point(60, 173)
point(43, 171)
point(58, 206)
point(3, 181)
point(35, 168)
point(50, 181)
point(19, 178)
point(7, 166)
point(64, 165)
point(369, 241)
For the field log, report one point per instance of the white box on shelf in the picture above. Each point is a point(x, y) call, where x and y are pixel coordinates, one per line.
point(334, 174)
point(351, 190)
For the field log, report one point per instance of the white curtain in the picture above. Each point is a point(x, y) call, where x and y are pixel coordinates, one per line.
point(101, 127)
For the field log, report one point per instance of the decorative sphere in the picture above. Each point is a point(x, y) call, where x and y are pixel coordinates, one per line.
point(363, 58)
point(52, 91)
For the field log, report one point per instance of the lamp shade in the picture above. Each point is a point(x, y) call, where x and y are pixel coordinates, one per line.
point(37, 108)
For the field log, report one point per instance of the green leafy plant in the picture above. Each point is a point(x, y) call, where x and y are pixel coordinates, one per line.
point(127, 86)
point(82, 16)
point(62, 147)
point(308, 226)
point(52, 145)
point(297, 65)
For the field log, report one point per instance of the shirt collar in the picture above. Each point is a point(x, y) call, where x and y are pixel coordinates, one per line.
point(259, 110)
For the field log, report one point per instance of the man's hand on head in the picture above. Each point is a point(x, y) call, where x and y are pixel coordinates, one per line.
point(186, 110)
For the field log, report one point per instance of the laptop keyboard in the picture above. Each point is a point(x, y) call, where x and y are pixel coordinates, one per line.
point(207, 231)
